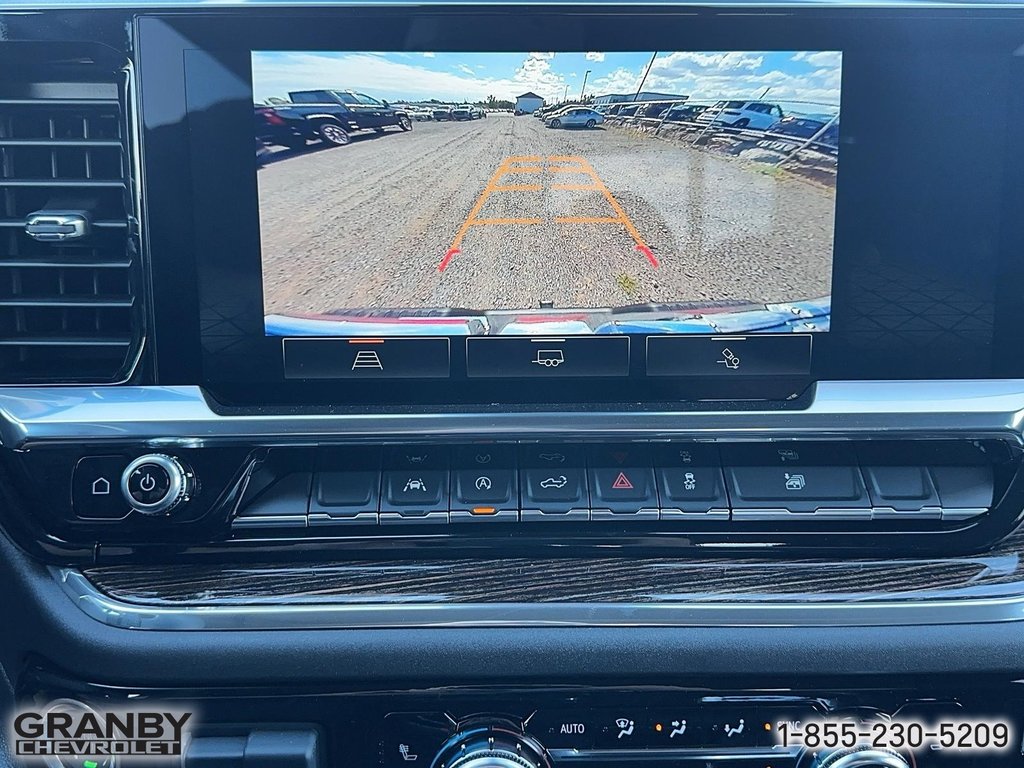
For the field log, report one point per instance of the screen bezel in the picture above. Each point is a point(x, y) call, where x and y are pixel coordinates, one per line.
point(187, 210)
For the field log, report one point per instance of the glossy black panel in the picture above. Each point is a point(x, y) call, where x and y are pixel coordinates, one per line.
point(919, 257)
point(368, 727)
point(583, 580)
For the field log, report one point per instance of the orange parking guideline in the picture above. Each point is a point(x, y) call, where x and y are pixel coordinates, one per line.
point(484, 222)
point(552, 164)
point(626, 222)
point(587, 220)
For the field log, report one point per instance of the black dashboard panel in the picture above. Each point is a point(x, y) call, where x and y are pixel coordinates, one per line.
point(911, 300)
point(469, 570)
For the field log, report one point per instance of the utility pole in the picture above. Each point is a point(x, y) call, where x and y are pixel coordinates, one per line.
point(584, 88)
point(646, 73)
point(565, 95)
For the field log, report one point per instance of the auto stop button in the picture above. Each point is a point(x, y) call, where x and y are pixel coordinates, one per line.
point(155, 484)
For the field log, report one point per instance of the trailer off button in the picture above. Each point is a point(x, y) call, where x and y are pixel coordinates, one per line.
point(156, 483)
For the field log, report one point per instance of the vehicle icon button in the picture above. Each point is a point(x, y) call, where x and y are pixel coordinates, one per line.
point(795, 482)
point(563, 485)
point(416, 489)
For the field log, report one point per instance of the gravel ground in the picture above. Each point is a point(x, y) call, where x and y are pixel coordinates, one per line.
point(368, 225)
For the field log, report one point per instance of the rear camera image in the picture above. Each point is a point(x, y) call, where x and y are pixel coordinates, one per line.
point(546, 192)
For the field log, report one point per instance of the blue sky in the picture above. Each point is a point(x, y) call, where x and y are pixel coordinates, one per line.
point(790, 75)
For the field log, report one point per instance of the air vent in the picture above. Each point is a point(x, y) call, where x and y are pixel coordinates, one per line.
point(69, 267)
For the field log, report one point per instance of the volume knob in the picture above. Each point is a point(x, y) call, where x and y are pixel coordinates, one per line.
point(862, 757)
point(155, 484)
point(491, 745)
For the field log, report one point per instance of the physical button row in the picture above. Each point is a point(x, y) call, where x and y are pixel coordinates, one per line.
point(635, 482)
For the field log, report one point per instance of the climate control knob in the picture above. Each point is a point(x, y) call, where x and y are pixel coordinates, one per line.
point(860, 757)
point(492, 744)
point(155, 484)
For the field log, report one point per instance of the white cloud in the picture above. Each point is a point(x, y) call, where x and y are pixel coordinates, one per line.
point(542, 55)
point(275, 75)
point(820, 58)
point(594, 56)
point(738, 74)
point(428, 54)
point(621, 80)
point(700, 75)
point(685, 61)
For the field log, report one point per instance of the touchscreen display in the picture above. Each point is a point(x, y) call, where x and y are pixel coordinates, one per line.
point(442, 194)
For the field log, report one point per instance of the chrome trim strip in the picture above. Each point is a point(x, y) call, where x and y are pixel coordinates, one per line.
point(908, 612)
point(667, 754)
point(169, 416)
point(140, 6)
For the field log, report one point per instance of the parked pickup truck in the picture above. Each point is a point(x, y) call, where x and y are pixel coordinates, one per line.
point(336, 114)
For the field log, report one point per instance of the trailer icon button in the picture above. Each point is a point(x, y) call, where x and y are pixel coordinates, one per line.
point(549, 358)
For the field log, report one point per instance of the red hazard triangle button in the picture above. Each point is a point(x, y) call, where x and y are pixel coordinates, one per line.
point(622, 483)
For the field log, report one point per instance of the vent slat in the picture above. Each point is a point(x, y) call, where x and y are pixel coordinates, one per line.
point(64, 341)
point(52, 263)
point(20, 224)
point(73, 143)
point(59, 183)
point(68, 312)
point(69, 301)
point(111, 104)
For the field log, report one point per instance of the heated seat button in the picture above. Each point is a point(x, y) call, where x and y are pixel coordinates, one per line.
point(94, 488)
point(412, 739)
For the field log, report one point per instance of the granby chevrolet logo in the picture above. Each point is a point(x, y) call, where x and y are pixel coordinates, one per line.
point(65, 731)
